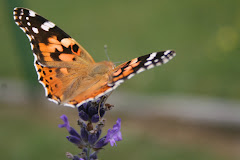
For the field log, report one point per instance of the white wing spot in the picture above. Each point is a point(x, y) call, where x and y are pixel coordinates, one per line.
point(130, 76)
point(158, 64)
point(100, 95)
point(156, 60)
point(34, 62)
point(52, 100)
point(66, 104)
point(79, 104)
point(23, 29)
point(110, 84)
point(28, 23)
point(150, 66)
point(32, 14)
point(152, 55)
point(22, 13)
point(165, 60)
point(18, 23)
point(148, 63)
point(26, 29)
point(45, 28)
point(27, 18)
point(31, 46)
point(29, 37)
point(50, 24)
point(35, 30)
point(114, 87)
point(119, 82)
point(47, 25)
point(141, 70)
point(167, 52)
point(169, 55)
point(14, 12)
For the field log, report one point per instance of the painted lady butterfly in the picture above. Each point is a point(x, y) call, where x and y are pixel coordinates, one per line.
point(67, 71)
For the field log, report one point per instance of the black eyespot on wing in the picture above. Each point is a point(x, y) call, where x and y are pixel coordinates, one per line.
point(75, 47)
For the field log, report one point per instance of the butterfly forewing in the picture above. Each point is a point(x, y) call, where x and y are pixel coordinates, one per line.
point(46, 38)
point(56, 54)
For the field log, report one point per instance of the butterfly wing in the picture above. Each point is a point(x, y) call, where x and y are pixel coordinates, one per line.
point(137, 65)
point(57, 57)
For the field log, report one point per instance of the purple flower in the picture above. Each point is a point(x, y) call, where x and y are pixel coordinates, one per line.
point(101, 143)
point(91, 123)
point(83, 115)
point(75, 140)
point(66, 123)
point(114, 134)
point(71, 130)
point(92, 111)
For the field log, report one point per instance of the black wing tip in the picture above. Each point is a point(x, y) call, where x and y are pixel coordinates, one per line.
point(168, 51)
point(171, 53)
point(19, 8)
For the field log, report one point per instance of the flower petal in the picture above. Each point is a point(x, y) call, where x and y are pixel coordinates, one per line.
point(84, 134)
point(74, 140)
point(92, 138)
point(114, 134)
point(83, 115)
point(101, 143)
point(66, 123)
point(73, 132)
point(95, 118)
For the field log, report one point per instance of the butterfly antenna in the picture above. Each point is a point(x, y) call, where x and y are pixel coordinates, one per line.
point(105, 49)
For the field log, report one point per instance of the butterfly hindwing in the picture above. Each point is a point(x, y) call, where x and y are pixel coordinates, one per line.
point(126, 71)
point(137, 65)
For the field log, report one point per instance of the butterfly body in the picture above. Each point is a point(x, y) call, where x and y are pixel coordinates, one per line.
point(68, 73)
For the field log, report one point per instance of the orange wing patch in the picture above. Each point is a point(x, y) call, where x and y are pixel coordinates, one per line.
point(53, 86)
point(53, 40)
point(64, 70)
point(124, 69)
point(51, 47)
point(90, 94)
point(67, 57)
point(56, 50)
point(66, 42)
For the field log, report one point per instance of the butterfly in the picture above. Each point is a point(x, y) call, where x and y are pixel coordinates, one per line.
point(68, 73)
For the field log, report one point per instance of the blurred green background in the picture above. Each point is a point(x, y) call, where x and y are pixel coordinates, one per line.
point(205, 35)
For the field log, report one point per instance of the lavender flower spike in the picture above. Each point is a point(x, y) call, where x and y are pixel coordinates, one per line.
point(114, 134)
point(91, 123)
